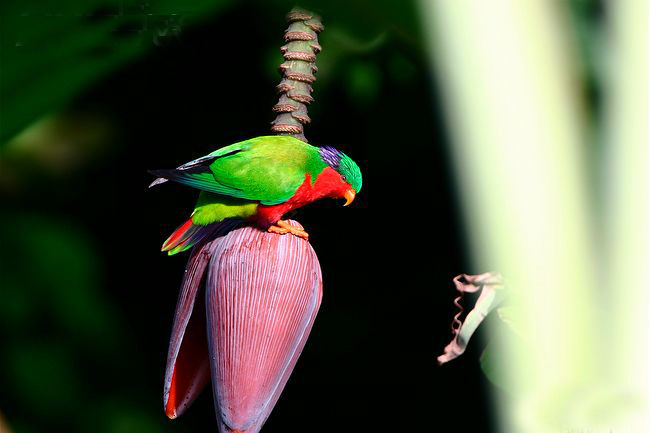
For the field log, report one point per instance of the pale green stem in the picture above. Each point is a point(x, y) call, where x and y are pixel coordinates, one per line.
point(627, 199)
point(507, 72)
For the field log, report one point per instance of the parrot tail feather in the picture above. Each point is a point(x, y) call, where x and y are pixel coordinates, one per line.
point(158, 181)
point(179, 235)
point(186, 236)
point(190, 234)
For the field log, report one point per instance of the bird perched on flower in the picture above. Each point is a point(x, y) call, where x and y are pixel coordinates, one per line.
point(259, 180)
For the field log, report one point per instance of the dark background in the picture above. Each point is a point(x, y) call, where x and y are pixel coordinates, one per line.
point(94, 95)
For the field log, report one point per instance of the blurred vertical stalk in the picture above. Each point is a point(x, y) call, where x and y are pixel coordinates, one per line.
point(626, 98)
point(507, 74)
point(298, 71)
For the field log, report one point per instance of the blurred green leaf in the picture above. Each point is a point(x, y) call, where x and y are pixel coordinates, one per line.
point(43, 376)
point(130, 420)
point(401, 69)
point(50, 266)
point(364, 82)
point(126, 416)
point(50, 53)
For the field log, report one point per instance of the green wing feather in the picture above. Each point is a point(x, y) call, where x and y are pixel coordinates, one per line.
point(269, 169)
point(265, 169)
point(202, 181)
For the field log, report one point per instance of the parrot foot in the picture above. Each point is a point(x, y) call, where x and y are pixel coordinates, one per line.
point(283, 227)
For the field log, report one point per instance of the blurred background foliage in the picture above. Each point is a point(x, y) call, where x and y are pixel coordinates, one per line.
point(94, 93)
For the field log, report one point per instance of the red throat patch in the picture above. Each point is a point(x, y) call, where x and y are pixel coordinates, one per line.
point(328, 184)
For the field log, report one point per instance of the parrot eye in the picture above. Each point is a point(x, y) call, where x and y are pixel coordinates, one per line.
point(344, 178)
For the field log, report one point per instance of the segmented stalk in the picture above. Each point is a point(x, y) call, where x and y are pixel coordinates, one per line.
point(297, 71)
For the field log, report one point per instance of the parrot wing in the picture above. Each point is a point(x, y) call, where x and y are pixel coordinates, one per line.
point(266, 169)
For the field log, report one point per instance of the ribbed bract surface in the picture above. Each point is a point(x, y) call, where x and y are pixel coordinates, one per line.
point(188, 367)
point(262, 294)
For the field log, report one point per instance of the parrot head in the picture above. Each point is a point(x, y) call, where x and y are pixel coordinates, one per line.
point(348, 169)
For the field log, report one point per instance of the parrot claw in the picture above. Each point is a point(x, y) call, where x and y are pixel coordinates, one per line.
point(283, 227)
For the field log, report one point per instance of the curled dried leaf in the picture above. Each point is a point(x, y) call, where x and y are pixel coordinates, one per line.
point(490, 287)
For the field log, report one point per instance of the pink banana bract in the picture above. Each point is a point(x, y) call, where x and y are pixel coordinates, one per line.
point(247, 304)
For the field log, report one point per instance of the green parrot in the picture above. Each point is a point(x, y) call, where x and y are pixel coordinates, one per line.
point(259, 180)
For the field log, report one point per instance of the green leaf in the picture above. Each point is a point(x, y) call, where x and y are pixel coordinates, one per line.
point(51, 53)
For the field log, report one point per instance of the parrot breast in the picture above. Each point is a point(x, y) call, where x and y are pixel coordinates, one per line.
point(327, 184)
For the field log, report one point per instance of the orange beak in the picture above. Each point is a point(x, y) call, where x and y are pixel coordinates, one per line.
point(349, 196)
